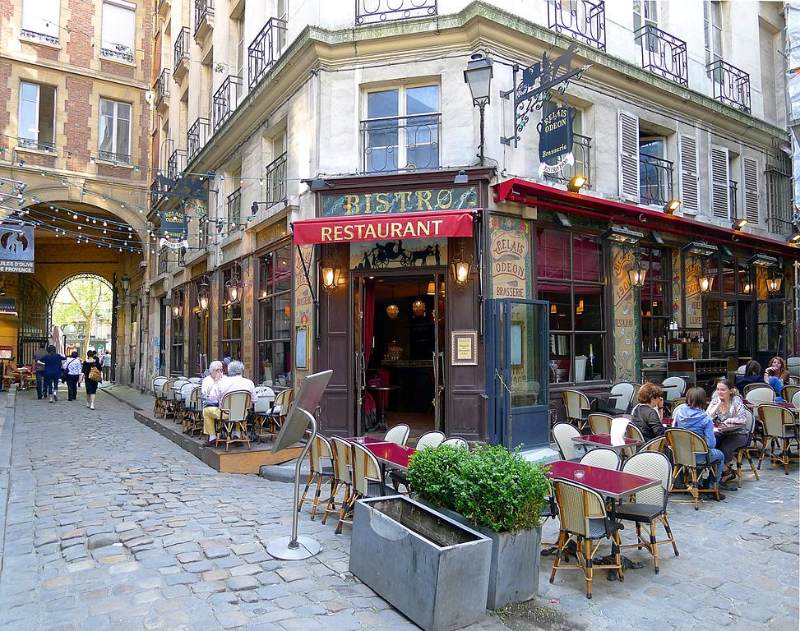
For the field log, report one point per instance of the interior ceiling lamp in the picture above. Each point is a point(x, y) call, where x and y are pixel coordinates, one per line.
point(202, 293)
point(331, 277)
point(739, 224)
point(393, 311)
point(624, 235)
point(431, 289)
point(461, 267)
point(418, 308)
point(672, 206)
point(637, 273)
point(576, 183)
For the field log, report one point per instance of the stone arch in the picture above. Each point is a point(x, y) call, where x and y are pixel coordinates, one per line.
point(73, 277)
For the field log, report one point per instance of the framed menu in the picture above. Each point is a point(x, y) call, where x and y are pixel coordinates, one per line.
point(464, 348)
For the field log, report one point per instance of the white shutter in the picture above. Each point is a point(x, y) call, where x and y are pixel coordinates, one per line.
point(628, 134)
point(750, 177)
point(688, 175)
point(41, 16)
point(119, 25)
point(720, 206)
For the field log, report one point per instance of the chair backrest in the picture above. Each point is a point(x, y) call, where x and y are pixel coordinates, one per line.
point(166, 389)
point(601, 457)
point(158, 383)
point(186, 390)
point(793, 366)
point(575, 403)
point(576, 506)
point(177, 387)
point(266, 397)
point(281, 404)
point(195, 380)
point(675, 408)
point(760, 394)
point(657, 445)
point(789, 392)
point(656, 467)
point(365, 469)
point(430, 439)
point(685, 445)
point(624, 392)
point(398, 434)
point(600, 423)
point(320, 450)
point(674, 387)
point(619, 428)
point(796, 400)
point(773, 418)
point(563, 433)
point(341, 460)
point(237, 404)
point(455, 442)
point(631, 431)
point(194, 397)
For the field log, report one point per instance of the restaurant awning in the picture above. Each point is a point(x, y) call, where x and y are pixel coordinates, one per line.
point(395, 226)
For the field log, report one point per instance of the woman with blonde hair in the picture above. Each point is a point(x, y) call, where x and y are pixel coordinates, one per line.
point(730, 420)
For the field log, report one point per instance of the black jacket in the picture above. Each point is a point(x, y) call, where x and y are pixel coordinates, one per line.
point(646, 419)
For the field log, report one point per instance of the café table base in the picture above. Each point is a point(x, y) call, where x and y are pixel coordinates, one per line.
point(304, 548)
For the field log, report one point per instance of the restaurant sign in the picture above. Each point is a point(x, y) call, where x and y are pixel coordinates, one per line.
point(174, 228)
point(510, 248)
point(386, 202)
point(16, 249)
point(555, 139)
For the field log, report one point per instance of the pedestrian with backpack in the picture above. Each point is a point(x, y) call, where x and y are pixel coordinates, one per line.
point(91, 375)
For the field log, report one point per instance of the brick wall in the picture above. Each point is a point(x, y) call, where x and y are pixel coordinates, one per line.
point(80, 48)
point(76, 121)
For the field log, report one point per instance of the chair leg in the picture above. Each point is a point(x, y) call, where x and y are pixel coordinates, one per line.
point(638, 536)
point(588, 570)
point(654, 545)
point(617, 549)
point(305, 490)
point(561, 544)
point(665, 520)
point(315, 503)
point(693, 489)
point(331, 504)
point(785, 456)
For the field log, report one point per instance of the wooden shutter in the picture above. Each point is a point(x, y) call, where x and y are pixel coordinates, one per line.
point(628, 134)
point(687, 175)
point(720, 206)
point(750, 177)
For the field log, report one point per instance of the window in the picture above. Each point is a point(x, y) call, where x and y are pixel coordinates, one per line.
point(727, 311)
point(37, 113)
point(231, 321)
point(570, 277)
point(115, 131)
point(712, 23)
point(656, 304)
point(282, 14)
point(275, 172)
point(40, 20)
point(238, 31)
point(402, 129)
point(176, 363)
point(771, 326)
point(119, 28)
point(275, 317)
point(655, 171)
point(199, 332)
point(644, 12)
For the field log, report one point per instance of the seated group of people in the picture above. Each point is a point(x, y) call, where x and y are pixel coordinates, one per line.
point(216, 384)
point(776, 376)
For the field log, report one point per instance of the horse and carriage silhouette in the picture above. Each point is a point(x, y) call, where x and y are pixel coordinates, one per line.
point(382, 255)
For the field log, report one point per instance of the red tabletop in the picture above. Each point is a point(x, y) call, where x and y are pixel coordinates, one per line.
point(365, 440)
point(391, 453)
point(604, 440)
point(607, 482)
point(783, 404)
point(666, 421)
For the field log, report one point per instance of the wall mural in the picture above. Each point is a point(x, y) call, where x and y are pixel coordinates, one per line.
point(694, 299)
point(626, 317)
point(398, 254)
point(304, 308)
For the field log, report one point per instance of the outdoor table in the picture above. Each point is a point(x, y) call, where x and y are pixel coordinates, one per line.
point(390, 454)
point(784, 404)
point(607, 482)
point(381, 402)
point(365, 440)
point(604, 440)
point(666, 421)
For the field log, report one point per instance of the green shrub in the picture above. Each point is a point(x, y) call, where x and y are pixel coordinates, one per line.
point(491, 487)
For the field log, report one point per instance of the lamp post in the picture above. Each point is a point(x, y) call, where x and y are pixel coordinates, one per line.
point(478, 76)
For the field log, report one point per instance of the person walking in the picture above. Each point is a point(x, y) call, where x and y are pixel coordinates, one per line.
point(106, 364)
point(38, 364)
point(91, 376)
point(72, 368)
point(51, 367)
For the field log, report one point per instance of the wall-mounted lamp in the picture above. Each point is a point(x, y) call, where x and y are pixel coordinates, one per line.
point(637, 274)
point(739, 224)
point(126, 283)
point(461, 177)
point(747, 288)
point(576, 183)
point(706, 283)
point(461, 267)
point(330, 278)
point(233, 287)
point(774, 283)
point(478, 76)
point(672, 206)
point(203, 293)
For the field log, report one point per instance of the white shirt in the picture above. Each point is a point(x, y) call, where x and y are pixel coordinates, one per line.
point(237, 382)
point(73, 365)
point(209, 389)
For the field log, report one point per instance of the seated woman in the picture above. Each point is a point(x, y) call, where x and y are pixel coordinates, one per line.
point(693, 417)
point(752, 374)
point(730, 416)
point(647, 414)
point(776, 376)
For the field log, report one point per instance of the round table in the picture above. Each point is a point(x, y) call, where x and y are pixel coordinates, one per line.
point(381, 406)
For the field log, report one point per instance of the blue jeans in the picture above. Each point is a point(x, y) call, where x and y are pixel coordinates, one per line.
point(51, 384)
point(715, 456)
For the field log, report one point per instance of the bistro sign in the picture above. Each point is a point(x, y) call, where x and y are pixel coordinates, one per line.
point(387, 202)
point(555, 139)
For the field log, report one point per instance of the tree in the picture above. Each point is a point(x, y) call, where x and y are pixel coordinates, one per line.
point(82, 300)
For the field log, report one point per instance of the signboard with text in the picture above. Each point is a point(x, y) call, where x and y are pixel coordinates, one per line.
point(387, 202)
point(174, 228)
point(510, 251)
point(16, 249)
point(555, 138)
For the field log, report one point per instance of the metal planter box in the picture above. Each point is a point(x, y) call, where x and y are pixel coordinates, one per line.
point(431, 568)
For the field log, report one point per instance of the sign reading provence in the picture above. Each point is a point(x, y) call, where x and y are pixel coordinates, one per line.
point(174, 228)
point(16, 249)
point(555, 138)
point(425, 200)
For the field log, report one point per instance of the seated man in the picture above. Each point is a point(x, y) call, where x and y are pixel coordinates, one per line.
point(209, 393)
point(234, 381)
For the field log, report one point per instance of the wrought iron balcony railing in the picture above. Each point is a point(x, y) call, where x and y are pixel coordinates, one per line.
point(655, 180)
point(197, 136)
point(234, 209)
point(225, 100)
point(584, 20)
point(402, 143)
point(203, 16)
point(375, 11)
point(162, 86)
point(180, 53)
point(38, 145)
point(731, 85)
point(265, 49)
point(117, 158)
point(176, 164)
point(117, 52)
point(733, 199)
point(663, 54)
point(582, 153)
point(40, 37)
point(276, 180)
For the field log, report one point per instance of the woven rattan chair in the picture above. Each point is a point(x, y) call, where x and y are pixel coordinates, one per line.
point(342, 479)
point(758, 393)
point(398, 434)
point(685, 446)
point(748, 451)
point(234, 409)
point(650, 505)
point(366, 479)
point(796, 401)
point(601, 457)
point(455, 442)
point(656, 445)
point(320, 465)
point(177, 398)
point(577, 407)
point(676, 403)
point(262, 408)
point(780, 430)
point(430, 439)
point(583, 518)
point(185, 391)
point(632, 432)
point(623, 394)
point(599, 423)
point(193, 412)
point(789, 392)
point(280, 408)
point(158, 391)
point(563, 433)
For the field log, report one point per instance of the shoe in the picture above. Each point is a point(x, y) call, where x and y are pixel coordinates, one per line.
point(727, 487)
point(55, 397)
point(211, 443)
point(91, 407)
point(721, 497)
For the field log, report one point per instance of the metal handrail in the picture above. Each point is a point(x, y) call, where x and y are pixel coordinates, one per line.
point(180, 50)
point(275, 178)
point(225, 100)
point(265, 49)
point(235, 209)
point(582, 164)
point(731, 84)
point(372, 11)
point(176, 164)
point(584, 20)
point(411, 140)
point(663, 54)
point(197, 136)
point(655, 180)
point(162, 85)
point(203, 9)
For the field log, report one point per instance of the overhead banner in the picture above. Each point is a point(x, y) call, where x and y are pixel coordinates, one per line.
point(174, 228)
point(16, 249)
point(555, 138)
point(398, 227)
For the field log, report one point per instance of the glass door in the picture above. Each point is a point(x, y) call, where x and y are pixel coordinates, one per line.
point(439, 364)
point(360, 376)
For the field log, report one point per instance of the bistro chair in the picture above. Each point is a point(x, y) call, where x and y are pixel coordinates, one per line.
point(366, 480)
point(342, 479)
point(793, 366)
point(177, 397)
point(623, 394)
point(674, 387)
point(234, 409)
point(676, 403)
point(780, 429)
point(455, 442)
point(655, 445)
point(758, 393)
point(599, 423)
point(168, 398)
point(650, 505)
point(262, 408)
point(563, 433)
point(676, 408)
point(789, 392)
point(583, 517)
point(430, 439)
point(748, 450)
point(158, 392)
point(631, 431)
point(398, 434)
point(686, 446)
point(280, 408)
point(796, 401)
point(186, 390)
point(577, 407)
point(320, 465)
point(196, 380)
point(193, 421)
point(601, 457)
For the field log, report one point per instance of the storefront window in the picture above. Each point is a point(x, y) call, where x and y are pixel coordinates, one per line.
point(771, 329)
point(656, 304)
point(231, 340)
point(177, 308)
point(275, 317)
point(727, 310)
point(570, 277)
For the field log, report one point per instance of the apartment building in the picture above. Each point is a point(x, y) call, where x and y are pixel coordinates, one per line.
point(300, 135)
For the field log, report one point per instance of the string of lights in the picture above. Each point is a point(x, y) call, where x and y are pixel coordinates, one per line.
point(114, 244)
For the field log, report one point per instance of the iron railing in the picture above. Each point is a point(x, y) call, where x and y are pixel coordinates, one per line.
point(584, 20)
point(582, 165)
point(176, 164)
point(225, 100)
point(117, 52)
point(162, 86)
point(276, 180)
point(376, 11)
point(265, 49)
point(203, 12)
point(196, 136)
point(731, 84)
point(118, 158)
point(663, 54)
point(30, 143)
point(655, 180)
point(234, 209)
point(180, 51)
point(733, 199)
point(42, 37)
point(401, 143)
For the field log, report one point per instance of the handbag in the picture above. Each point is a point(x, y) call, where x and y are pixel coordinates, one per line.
point(95, 374)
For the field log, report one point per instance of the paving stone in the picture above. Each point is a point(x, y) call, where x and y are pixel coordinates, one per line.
point(245, 570)
point(237, 583)
point(216, 552)
point(232, 619)
point(101, 540)
point(189, 557)
point(182, 578)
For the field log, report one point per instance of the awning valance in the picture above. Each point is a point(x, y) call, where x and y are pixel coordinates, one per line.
point(388, 227)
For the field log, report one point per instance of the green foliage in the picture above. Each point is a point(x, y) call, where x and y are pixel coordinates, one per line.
point(490, 487)
point(81, 301)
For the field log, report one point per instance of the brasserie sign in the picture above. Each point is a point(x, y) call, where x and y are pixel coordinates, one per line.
point(555, 139)
point(408, 201)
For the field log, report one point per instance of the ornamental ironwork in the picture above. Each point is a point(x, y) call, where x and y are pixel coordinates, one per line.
point(663, 54)
point(731, 84)
point(265, 49)
point(584, 20)
point(377, 11)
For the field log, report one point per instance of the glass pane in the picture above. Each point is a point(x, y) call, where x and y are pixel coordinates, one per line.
point(382, 104)
point(28, 113)
point(729, 327)
point(552, 256)
point(422, 142)
point(123, 138)
point(118, 28)
point(283, 316)
point(769, 337)
point(526, 377)
point(124, 111)
point(560, 358)
point(282, 362)
point(560, 309)
point(265, 320)
point(588, 308)
point(588, 357)
point(47, 113)
point(381, 145)
point(422, 100)
point(586, 259)
point(652, 147)
point(728, 277)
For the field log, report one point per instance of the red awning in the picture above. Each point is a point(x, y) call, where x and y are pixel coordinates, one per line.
point(394, 226)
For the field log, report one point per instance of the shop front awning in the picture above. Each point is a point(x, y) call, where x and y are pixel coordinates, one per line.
point(388, 227)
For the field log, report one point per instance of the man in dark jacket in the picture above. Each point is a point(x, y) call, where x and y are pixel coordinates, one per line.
point(38, 359)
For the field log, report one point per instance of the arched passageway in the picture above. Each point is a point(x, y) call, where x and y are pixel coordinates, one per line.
point(82, 307)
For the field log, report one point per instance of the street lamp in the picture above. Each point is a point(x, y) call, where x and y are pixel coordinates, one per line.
point(637, 274)
point(202, 293)
point(478, 76)
point(126, 283)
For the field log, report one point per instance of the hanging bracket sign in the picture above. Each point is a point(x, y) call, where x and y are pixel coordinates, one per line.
point(174, 228)
point(16, 249)
point(555, 138)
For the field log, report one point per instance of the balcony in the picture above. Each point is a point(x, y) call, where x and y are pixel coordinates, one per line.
point(234, 210)
point(162, 89)
point(117, 52)
point(39, 37)
point(157, 190)
point(265, 49)
point(374, 12)
point(163, 8)
point(203, 18)
point(116, 158)
point(276, 180)
point(197, 136)
point(663, 54)
point(582, 152)
point(225, 100)
point(583, 20)
point(403, 143)
point(180, 54)
point(36, 145)
point(176, 164)
point(731, 85)
point(655, 180)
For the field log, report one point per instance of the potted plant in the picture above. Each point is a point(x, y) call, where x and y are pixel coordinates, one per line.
point(497, 493)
